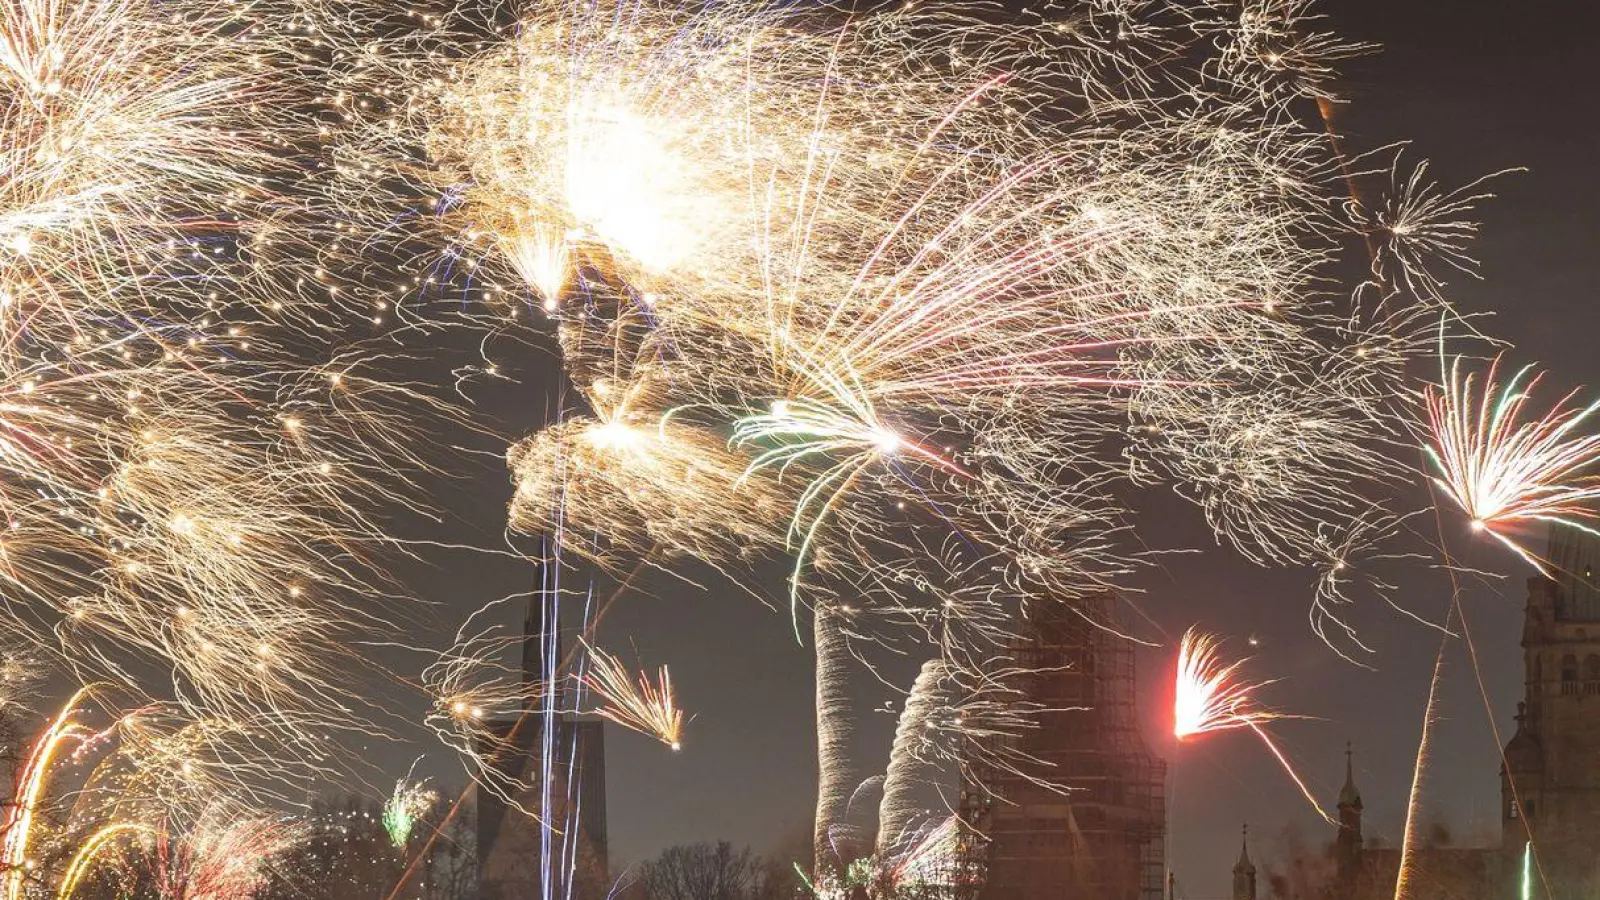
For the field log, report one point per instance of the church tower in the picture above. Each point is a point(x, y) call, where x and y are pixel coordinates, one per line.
point(1550, 782)
point(1347, 846)
point(1244, 871)
point(550, 839)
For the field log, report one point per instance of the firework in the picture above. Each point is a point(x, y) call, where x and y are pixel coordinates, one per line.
point(476, 695)
point(225, 854)
point(18, 675)
point(1503, 470)
point(834, 775)
point(930, 859)
point(894, 283)
point(934, 288)
point(908, 770)
point(410, 801)
point(641, 483)
point(1525, 881)
point(1209, 697)
point(1425, 229)
point(170, 494)
point(85, 856)
point(648, 707)
point(135, 144)
point(21, 815)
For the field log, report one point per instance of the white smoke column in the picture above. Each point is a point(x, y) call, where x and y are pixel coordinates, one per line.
point(833, 734)
point(907, 770)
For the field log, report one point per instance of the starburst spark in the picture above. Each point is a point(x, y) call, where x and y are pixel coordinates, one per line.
point(1210, 697)
point(409, 802)
point(638, 703)
point(1504, 468)
point(1208, 694)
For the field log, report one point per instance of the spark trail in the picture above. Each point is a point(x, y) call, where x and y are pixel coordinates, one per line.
point(1209, 697)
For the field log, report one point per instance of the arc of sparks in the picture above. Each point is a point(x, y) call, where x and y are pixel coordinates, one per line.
point(19, 818)
point(89, 852)
point(646, 706)
point(1210, 697)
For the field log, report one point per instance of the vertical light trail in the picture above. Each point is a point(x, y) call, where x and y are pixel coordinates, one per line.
point(549, 714)
point(1408, 841)
point(20, 816)
point(1527, 871)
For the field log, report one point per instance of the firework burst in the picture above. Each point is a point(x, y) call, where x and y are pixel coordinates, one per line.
point(1208, 694)
point(1209, 697)
point(1504, 470)
point(934, 287)
point(409, 802)
point(646, 706)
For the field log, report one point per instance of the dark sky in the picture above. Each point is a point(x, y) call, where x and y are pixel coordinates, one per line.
point(1478, 86)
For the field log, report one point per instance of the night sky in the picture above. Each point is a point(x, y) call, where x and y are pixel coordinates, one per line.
point(1477, 86)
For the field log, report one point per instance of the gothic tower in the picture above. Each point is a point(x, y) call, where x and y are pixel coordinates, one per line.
point(1550, 782)
point(1347, 846)
point(559, 760)
point(1244, 871)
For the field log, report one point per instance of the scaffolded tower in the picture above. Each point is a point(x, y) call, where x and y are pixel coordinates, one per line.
point(1087, 817)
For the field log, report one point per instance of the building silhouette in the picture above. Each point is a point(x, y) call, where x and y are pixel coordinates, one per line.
point(552, 844)
point(1244, 871)
point(1361, 869)
point(1089, 819)
point(1550, 772)
point(1550, 782)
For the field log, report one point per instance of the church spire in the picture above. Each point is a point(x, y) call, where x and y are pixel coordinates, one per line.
point(1348, 845)
point(1349, 795)
point(1244, 864)
point(1244, 871)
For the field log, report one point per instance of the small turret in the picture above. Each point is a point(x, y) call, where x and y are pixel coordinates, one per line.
point(1244, 871)
point(1348, 845)
point(1521, 781)
point(1350, 795)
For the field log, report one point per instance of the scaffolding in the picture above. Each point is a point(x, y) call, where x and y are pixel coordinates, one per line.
point(1087, 818)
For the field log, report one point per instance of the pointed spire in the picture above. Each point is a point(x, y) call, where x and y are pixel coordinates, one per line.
point(1350, 795)
point(1244, 866)
point(1244, 871)
point(541, 635)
